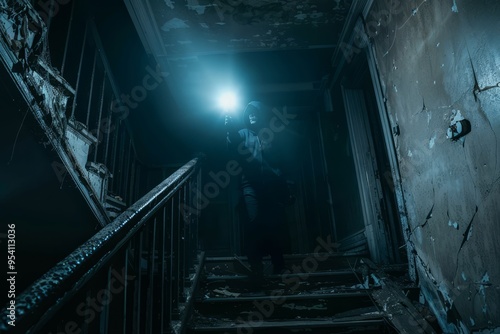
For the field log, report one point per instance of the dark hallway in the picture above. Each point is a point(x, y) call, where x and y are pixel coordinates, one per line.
point(124, 209)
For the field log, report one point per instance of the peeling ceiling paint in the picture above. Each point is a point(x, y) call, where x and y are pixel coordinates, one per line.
point(174, 23)
point(169, 4)
point(290, 24)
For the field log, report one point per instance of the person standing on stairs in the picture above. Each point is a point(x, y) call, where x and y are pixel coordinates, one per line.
point(263, 191)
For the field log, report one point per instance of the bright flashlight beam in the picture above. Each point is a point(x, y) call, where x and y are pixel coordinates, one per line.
point(228, 101)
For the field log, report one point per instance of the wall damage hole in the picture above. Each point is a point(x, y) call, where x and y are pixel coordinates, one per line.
point(459, 126)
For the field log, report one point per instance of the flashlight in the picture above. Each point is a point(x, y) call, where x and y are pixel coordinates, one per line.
point(228, 101)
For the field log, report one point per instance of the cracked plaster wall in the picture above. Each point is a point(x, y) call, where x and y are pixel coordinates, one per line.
point(430, 54)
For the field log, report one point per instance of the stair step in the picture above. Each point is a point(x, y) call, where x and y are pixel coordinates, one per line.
point(320, 293)
point(277, 295)
point(369, 323)
point(227, 266)
point(278, 305)
point(317, 280)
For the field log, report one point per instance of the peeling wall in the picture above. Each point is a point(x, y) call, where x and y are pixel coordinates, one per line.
point(440, 61)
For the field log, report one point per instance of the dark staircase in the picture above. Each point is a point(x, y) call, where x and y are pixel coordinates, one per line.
point(340, 294)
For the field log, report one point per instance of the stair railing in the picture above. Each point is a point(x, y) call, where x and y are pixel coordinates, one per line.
point(129, 277)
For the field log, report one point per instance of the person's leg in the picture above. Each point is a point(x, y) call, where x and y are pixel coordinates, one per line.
point(274, 238)
point(253, 229)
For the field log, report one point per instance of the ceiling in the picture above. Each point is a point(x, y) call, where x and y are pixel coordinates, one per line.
point(278, 51)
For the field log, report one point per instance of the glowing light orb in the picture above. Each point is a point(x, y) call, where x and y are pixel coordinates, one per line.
point(228, 101)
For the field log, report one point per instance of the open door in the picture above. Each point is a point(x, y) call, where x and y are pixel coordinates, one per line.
point(367, 174)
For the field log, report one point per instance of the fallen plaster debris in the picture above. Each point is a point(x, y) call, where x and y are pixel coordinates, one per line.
point(293, 306)
point(227, 293)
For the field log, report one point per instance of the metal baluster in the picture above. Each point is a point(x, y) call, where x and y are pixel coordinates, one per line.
point(92, 77)
point(198, 189)
point(98, 133)
point(174, 256)
point(121, 163)
point(170, 297)
point(127, 171)
point(105, 305)
point(132, 181)
point(125, 290)
point(138, 284)
point(79, 72)
point(116, 144)
point(108, 133)
point(151, 274)
point(179, 277)
point(70, 26)
point(86, 328)
point(183, 245)
point(162, 255)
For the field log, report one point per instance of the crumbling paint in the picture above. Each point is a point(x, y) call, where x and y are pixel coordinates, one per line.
point(485, 279)
point(456, 116)
point(454, 8)
point(169, 4)
point(174, 23)
point(54, 101)
point(432, 141)
point(293, 306)
point(483, 284)
point(241, 40)
point(226, 292)
point(454, 224)
point(249, 20)
point(199, 9)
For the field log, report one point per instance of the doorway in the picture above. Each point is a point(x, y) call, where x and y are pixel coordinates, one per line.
point(374, 209)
